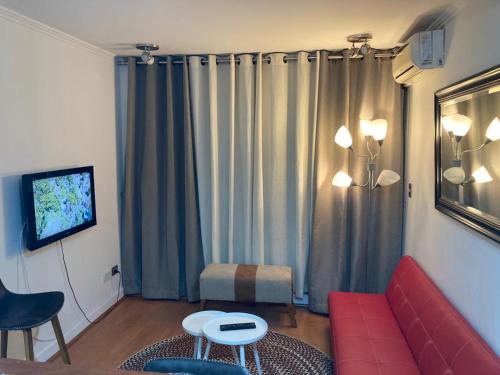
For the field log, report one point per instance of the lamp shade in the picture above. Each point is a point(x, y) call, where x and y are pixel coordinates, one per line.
point(387, 177)
point(343, 137)
point(379, 129)
point(455, 175)
point(447, 122)
point(493, 131)
point(366, 127)
point(341, 179)
point(481, 175)
point(461, 124)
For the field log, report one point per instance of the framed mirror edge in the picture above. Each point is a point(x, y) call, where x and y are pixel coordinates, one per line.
point(474, 83)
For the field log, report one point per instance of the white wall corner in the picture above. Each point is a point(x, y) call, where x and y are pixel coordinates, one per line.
point(32, 24)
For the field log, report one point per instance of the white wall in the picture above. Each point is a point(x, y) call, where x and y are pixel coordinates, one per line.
point(463, 263)
point(57, 110)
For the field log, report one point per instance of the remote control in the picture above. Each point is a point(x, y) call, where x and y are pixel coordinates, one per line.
point(237, 326)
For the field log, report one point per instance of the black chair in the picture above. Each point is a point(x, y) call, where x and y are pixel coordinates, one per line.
point(22, 312)
point(194, 367)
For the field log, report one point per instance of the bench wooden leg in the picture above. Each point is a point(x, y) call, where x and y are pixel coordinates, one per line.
point(28, 344)
point(60, 340)
point(203, 304)
point(5, 339)
point(291, 312)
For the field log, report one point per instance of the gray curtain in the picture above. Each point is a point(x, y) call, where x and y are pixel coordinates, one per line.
point(161, 246)
point(356, 238)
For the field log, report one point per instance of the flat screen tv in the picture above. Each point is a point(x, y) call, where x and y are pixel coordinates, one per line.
point(58, 204)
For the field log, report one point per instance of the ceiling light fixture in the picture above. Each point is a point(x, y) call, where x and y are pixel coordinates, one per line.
point(365, 47)
point(146, 49)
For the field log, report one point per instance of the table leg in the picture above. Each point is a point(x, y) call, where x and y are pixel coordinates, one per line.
point(195, 347)
point(207, 350)
point(235, 355)
point(242, 356)
point(257, 359)
point(199, 347)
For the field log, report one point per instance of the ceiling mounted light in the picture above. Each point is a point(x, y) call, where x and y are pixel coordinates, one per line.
point(364, 49)
point(146, 49)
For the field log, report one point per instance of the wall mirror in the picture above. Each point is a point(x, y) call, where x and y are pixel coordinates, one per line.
point(467, 158)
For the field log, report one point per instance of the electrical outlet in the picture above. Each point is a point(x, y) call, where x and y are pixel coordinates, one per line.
point(114, 270)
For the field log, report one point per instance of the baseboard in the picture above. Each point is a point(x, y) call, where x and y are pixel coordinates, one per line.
point(50, 350)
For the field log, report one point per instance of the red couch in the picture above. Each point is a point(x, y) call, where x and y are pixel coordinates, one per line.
point(412, 329)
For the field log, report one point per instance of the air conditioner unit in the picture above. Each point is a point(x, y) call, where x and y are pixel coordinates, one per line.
point(423, 53)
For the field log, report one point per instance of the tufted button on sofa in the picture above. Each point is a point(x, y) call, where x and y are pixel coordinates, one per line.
point(412, 329)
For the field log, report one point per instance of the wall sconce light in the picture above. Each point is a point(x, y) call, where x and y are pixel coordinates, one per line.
point(376, 129)
point(457, 126)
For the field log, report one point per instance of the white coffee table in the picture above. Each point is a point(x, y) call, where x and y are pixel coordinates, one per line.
point(212, 332)
point(193, 325)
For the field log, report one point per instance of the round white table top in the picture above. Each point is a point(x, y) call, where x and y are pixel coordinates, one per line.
point(212, 331)
point(193, 323)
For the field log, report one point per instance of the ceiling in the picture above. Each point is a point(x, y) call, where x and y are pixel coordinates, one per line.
point(221, 26)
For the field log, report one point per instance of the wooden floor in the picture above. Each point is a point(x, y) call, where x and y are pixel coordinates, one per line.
point(135, 323)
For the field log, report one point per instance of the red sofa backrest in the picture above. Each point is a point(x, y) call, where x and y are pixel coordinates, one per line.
point(441, 341)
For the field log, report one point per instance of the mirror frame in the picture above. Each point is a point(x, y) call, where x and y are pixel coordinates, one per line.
point(475, 83)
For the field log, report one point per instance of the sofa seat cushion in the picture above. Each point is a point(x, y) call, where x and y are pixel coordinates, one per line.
point(367, 337)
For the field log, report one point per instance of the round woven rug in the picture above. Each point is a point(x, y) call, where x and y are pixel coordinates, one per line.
point(279, 355)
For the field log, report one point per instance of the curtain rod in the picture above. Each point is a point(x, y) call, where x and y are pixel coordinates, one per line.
point(204, 60)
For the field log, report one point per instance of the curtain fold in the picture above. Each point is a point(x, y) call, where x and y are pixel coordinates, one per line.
point(160, 226)
point(233, 162)
point(356, 235)
point(254, 126)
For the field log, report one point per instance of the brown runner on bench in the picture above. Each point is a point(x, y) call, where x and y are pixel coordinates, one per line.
point(244, 283)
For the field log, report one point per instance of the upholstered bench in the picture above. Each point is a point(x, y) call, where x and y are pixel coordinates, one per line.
point(248, 283)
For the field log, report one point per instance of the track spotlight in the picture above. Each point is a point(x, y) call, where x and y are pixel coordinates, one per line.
point(146, 49)
point(364, 49)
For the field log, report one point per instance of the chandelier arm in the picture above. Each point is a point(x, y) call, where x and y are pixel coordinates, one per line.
point(473, 149)
point(366, 183)
point(358, 154)
point(372, 157)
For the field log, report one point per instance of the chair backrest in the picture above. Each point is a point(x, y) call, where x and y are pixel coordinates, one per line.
point(194, 367)
point(441, 341)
